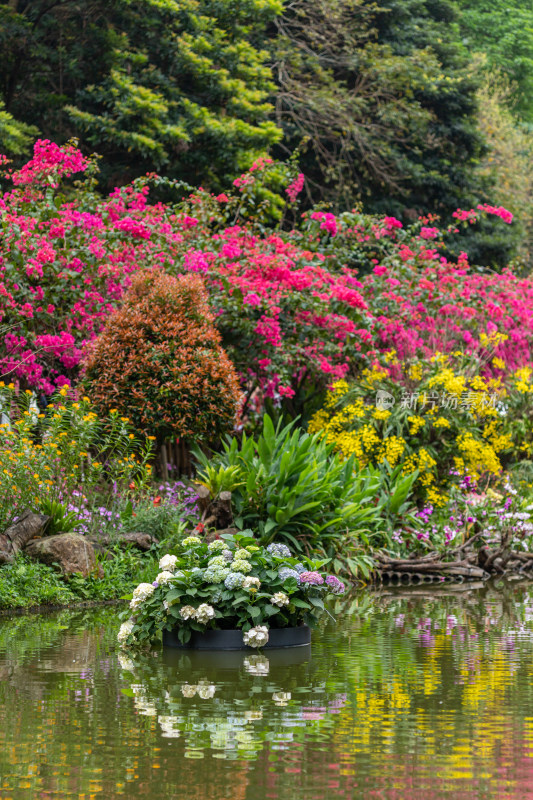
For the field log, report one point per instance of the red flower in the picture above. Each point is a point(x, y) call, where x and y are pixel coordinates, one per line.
point(157, 501)
point(132, 485)
point(200, 527)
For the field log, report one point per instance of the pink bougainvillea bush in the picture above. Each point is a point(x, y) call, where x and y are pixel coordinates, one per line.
point(422, 301)
point(297, 309)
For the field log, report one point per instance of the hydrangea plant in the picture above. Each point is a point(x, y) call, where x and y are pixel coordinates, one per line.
point(250, 588)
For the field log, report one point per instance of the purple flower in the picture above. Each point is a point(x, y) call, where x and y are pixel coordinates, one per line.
point(155, 583)
point(335, 584)
point(311, 577)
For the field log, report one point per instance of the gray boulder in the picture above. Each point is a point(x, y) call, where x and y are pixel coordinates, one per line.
point(138, 539)
point(69, 551)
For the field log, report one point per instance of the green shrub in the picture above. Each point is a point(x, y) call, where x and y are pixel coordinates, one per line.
point(52, 461)
point(160, 362)
point(26, 583)
point(291, 487)
point(160, 521)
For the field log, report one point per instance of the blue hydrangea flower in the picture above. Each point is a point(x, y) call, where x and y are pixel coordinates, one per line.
point(228, 555)
point(299, 568)
point(288, 572)
point(234, 580)
point(197, 572)
point(279, 550)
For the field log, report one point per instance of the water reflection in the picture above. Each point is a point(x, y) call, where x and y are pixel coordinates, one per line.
point(230, 705)
point(426, 694)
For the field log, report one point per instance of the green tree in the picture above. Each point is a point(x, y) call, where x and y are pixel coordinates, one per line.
point(503, 31)
point(509, 161)
point(382, 99)
point(15, 137)
point(150, 84)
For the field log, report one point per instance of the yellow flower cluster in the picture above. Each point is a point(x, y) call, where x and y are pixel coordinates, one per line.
point(453, 421)
point(478, 457)
point(65, 452)
point(522, 380)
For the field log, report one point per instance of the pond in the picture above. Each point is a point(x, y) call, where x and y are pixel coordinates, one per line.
point(414, 695)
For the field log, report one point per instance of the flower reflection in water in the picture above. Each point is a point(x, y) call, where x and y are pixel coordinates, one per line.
point(232, 704)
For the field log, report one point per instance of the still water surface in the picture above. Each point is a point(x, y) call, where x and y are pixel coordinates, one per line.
point(409, 697)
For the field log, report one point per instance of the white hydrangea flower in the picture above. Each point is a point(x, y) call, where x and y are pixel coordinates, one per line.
point(125, 662)
point(204, 613)
point(168, 562)
point(206, 691)
point(140, 594)
point(279, 599)
point(239, 565)
point(216, 546)
point(164, 577)
point(143, 590)
point(257, 664)
point(191, 541)
point(250, 582)
point(187, 612)
point(256, 637)
point(188, 691)
point(124, 631)
point(281, 698)
point(216, 561)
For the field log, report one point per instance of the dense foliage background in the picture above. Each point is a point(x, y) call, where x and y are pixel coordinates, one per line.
point(295, 209)
point(382, 99)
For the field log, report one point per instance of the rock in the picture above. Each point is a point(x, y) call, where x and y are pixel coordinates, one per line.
point(69, 551)
point(27, 526)
point(212, 535)
point(138, 539)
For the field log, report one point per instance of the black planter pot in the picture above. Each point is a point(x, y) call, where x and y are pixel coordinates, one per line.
point(232, 640)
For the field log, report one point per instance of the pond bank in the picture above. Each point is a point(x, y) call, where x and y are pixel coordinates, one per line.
point(51, 607)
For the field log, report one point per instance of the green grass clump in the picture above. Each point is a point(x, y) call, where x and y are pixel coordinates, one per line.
point(26, 583)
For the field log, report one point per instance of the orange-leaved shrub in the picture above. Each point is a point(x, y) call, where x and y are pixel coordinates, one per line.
point(159, 362)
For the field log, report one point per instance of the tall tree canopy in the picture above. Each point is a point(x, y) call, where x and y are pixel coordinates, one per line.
point(381, 97)
point(179, 85)
point(378, 94)
point(503, 31)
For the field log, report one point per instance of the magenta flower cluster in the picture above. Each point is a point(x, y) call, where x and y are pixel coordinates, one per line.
point(313, 578)
point(290, 311)
point(335, 584)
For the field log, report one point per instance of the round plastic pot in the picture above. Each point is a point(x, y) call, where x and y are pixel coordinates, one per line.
point(232, 639)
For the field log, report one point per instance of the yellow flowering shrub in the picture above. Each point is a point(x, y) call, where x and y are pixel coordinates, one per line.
point(439, 421)
point(49, 455)
point(518, 421)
